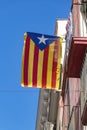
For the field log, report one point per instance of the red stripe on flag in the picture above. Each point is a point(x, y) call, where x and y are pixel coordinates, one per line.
point(26, 59)
point(54, 68)
point(44, 71)
point(35, 66)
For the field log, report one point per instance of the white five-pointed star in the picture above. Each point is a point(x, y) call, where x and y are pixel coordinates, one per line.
point(42, 39)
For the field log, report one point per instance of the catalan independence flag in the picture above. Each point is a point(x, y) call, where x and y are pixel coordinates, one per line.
point(41, 61)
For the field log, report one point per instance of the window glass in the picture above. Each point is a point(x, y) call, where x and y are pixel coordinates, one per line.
point(84, 15)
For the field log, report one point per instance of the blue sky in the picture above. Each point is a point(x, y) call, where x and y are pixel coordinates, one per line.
point(18, 106)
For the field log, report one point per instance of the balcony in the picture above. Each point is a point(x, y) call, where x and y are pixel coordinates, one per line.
point(74, 120)
point(84, 114)
point(84, 92)
point(76, 55)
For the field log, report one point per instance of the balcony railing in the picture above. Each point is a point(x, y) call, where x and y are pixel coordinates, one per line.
point(74, 121)
point(84, 91)
point(84, 82)
point(84, 115)
point(69, 28)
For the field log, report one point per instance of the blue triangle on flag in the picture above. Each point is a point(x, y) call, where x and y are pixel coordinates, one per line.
point(42, 40)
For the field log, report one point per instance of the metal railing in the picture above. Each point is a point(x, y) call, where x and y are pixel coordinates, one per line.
point(75, 119)
point(84, 83)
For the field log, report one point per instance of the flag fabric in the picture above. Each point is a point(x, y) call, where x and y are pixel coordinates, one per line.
point(41, 61)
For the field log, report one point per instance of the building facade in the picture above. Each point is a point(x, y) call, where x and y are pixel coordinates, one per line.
point(66, 109)
point(48, 103)
point(74, 109)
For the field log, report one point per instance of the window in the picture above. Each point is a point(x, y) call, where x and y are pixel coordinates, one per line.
point(84, 16)
point(84, 1)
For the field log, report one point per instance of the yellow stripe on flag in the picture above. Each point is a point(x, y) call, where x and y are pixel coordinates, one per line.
point(22, 77)
point(30, 63)
point(58, 75)
point(59, 64)
point(40, 68)
point(49, 69)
